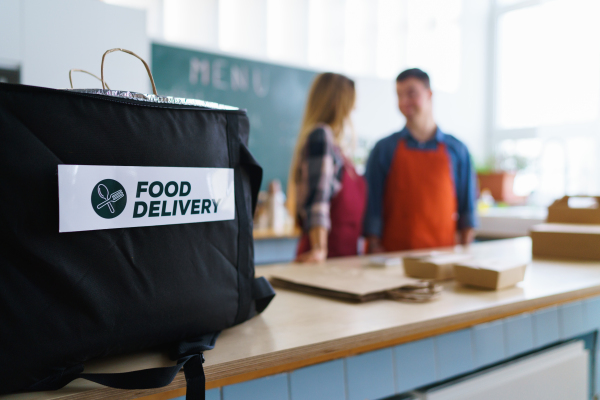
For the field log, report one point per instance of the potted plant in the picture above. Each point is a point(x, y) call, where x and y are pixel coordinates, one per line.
point(498, 177)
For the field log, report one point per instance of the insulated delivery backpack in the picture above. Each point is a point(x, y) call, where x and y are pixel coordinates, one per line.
point(126, 224)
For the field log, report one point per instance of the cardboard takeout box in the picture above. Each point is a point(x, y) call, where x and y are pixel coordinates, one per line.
point(562, 212)
point(578, 241)
point(490, 274)
point(433, 265)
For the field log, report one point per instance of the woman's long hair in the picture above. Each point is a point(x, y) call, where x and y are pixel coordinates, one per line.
point(330, 101)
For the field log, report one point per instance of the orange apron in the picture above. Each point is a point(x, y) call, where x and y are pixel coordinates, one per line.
point(419, 204)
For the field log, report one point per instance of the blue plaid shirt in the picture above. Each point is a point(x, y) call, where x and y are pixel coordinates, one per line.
point(318, 178)
point(380, 162)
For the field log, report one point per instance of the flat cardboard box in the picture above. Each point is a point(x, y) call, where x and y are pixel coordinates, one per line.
point(561, 212)
point(433, 265)
point(356, 284)
point(576, 241)
point(490, 274)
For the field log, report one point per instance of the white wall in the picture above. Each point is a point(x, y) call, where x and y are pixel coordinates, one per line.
point(10, 33)
point(287, 24)
point(242, 27)
point(192, 22)
point(376, 114)
point(47, 38)
point(465, 112)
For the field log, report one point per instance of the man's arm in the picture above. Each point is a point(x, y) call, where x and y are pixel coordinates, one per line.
point(375, 176)
point(465, 236)
point(467, 198)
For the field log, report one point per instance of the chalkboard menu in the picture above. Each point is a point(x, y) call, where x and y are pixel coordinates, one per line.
point(273, 95)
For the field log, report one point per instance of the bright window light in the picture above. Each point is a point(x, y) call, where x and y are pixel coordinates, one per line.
point(548, 64)
point(242, 27)
point(391, 38)
point(287, 30)
point(276, 22)
point(361, 33)
point(508, 2)
point(582, 165)
point(434, 41)
point(326, 34)
point(553, 179)
point(229, 31)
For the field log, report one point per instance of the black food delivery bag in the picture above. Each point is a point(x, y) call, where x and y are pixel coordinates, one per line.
point(126, 224)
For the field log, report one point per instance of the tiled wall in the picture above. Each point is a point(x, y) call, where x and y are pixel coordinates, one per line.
point(385, 372)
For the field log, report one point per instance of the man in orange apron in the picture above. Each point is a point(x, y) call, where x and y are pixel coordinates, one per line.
point(421, 183)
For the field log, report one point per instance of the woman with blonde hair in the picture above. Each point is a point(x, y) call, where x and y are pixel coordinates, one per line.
point(325, 194)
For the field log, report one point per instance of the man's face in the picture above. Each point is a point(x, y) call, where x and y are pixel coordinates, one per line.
point(414, 98)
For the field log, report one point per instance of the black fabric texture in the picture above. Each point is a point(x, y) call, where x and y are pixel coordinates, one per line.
point(245, 265)
point(195, 345)
point(262, 293)
point(66, 298)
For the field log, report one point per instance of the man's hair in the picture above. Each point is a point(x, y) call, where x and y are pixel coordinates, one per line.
point(414, 73)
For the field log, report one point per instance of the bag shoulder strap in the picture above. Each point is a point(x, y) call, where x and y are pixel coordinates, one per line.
point(151, 378)
point(188, 353)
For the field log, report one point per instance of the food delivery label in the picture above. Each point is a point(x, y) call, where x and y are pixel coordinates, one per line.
point(92, 197)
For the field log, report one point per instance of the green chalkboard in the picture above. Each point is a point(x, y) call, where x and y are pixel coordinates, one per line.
point(274, 96)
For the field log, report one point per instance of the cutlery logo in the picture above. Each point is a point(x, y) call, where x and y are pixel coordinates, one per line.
point(109, 198)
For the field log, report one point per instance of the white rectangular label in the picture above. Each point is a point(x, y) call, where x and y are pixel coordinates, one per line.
point(93, 197)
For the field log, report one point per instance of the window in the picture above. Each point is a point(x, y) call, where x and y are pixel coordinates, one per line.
point(549, 64)
point(360, 33)
point(547, 95)
point(326, 34)
point(433, 41)
point(391, 38)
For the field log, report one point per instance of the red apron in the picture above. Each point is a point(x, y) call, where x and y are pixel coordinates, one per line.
point(419, 204)
point(346, 212)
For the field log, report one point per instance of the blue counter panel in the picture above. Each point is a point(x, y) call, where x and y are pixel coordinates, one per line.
point(395, 370)
point(415, 364)
point(454, 352)
point(518, 331)
point(274, 387)
point(545, 326)
point(326, 381)
point(489, 343)
point(591, 314)
point(370, 375)
point(212, 394)
point(571, 319)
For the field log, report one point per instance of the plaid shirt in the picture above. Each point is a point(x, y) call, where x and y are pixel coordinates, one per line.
point(318, 178)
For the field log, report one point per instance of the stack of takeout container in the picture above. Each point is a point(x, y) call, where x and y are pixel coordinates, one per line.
point(572, 230)
point(464, 268)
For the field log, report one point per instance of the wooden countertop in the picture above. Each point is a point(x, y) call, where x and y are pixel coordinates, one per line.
point(298, 330)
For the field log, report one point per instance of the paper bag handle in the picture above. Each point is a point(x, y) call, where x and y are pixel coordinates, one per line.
point(133, 54)
point(564, 201)
point(87, 72)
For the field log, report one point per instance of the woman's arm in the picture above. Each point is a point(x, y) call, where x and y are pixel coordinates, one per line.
point(320, 171)
point(318, 246)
